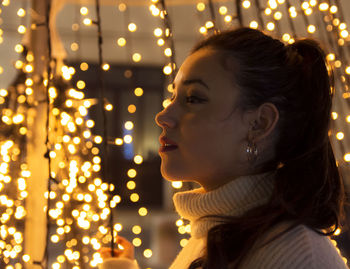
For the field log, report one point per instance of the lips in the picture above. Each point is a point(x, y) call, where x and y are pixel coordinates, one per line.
point(166, 144)
point(166, 141)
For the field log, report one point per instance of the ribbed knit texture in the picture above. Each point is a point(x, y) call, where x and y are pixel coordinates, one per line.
point(299, 248)
point(232, 199)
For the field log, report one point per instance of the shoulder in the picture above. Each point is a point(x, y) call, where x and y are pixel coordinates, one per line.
point(298, 248)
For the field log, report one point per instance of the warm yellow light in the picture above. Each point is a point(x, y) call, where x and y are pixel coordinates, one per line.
point(277, 16)
point(81, 84)
point(268, 11)
point(340, 135)
point(323, 6)
point(167, 70)
point(313, 3)
point(348, 118)
point(347, 157)
point(87, 21)
point(105, 66)
point(69, 103)
point(84, 66)
point(26, 258)
point(143, 211)
point(118, 227)
point(136, 229)
point(19, 48)
point(183, 242)
point(334, 115)
point(136, 57)
point(138, 91)
point(200, 6)
point(168, 52)
point(19, 64)
point(109, 107)
point(209, 24)
point(132, 173)
point(122, 7)
point(134, 197)
point(129, 125)
point(330, 57)
point(344, 33)
point(147, 253)
point(311, 29)
point(273, 4)
point(84, 11)
point(21, 29)
point(98, 139)
point(132, 27)
point(176, 184)
point(270, 26)
point(28, 68)
point(119, 141)
point(131, 108)
point(246, 4)
point(223, 10)
point(203, 30)
point(74, 46)
point(158, 32)
point(286, 37)
point(131, 185)
point(337, 63)
point(347, 70)
point(52, 92)
point(138, 159)
point(160, 42)
point(136, 242)
point(121, 41)
point(21, 12)
point(333, 9)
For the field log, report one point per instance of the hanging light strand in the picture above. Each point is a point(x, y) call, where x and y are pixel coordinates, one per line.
point(103, 104)
point(169, 38)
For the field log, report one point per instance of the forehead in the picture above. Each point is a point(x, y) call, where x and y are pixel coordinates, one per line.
point(205, 64)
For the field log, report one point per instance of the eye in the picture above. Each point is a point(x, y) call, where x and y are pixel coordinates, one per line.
point(194, 99)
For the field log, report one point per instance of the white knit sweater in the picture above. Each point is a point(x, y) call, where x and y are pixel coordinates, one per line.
point(299, 248)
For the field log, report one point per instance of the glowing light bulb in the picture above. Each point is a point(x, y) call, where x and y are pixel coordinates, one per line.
point(84, 11)
point(132, 27)
point(136, 57)
point(246, 4)
point(121, 41)
point(200, 6)
point(21, 12)
point(87, 21)
point(311, 28)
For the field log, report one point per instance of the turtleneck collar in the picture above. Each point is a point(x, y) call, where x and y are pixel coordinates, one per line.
point(232, 199)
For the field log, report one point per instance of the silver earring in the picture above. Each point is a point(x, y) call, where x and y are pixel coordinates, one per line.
point(252, 151)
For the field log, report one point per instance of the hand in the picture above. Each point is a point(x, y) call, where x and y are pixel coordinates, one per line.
point(125, 250)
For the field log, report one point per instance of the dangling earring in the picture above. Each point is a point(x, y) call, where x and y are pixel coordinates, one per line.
point(252, 150)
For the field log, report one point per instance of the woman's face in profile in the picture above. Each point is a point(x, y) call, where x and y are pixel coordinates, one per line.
point(209, 133)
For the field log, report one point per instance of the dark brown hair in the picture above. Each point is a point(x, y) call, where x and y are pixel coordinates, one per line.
point(308, 189)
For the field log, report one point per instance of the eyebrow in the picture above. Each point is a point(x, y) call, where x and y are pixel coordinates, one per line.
point(193, 81)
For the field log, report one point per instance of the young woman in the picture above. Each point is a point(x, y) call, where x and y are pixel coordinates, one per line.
point(249, 122)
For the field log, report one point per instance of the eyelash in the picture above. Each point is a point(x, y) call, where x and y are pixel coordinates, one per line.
point(189, 98)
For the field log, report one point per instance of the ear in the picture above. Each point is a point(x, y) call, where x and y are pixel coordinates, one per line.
point(265, 119)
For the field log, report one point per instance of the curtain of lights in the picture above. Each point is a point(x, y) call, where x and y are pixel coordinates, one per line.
point(55, 203)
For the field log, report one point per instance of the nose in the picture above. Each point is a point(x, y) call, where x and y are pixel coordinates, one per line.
point(165, 119)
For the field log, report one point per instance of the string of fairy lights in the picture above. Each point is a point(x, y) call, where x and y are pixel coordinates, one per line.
point(14, 172)
point(79, 202)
